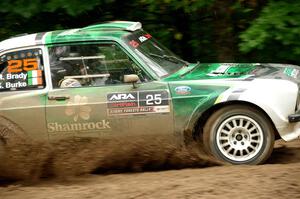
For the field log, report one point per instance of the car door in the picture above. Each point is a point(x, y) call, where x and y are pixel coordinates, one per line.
point(89, 96)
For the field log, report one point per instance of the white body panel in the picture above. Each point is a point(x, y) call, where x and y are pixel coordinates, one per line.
point(276, 97)
point(18, 42)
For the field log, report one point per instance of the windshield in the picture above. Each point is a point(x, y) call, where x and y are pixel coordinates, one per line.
point(160, 59)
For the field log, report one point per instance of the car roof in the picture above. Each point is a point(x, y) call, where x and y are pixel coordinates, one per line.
point(108, 30)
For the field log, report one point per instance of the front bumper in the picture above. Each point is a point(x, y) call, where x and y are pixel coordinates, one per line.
point(294, 117)
point(290, 132)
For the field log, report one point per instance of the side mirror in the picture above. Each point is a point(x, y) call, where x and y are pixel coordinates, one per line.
point(133, 78)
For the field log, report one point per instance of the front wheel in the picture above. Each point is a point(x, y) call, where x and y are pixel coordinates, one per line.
point(239, 135)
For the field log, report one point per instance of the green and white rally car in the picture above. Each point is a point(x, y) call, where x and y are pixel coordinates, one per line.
point(115, 79)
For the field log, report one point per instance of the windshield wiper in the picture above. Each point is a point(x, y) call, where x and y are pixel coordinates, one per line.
point(179, 60)
point(189, 71)
point(170, 58)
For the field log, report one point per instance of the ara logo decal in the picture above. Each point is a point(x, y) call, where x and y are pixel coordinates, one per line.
point(183, 90)
point(117, 100)
point(122, 96)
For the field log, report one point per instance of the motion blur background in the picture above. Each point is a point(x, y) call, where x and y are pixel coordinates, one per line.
point(204, 30)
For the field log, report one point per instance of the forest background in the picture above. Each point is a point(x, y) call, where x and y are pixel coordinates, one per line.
point(196, 30)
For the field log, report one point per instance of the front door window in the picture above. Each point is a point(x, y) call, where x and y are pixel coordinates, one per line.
point(90, 65)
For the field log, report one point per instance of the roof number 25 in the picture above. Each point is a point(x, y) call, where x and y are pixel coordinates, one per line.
point(16, 66)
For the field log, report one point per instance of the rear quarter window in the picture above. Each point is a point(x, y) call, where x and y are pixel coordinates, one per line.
point(22, 70)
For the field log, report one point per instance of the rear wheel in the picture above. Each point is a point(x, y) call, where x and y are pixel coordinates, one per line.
point(9, 133)
point(239, 135)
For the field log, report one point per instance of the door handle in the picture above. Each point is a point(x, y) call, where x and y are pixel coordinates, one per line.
point(58, 98)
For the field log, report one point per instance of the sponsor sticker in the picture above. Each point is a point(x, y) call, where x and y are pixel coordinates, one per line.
point(22, 69)
point(79, 111)
point(35, 77)
point(136, 42)
point(291, 72)
point(221, 70)
point(78, 108)
point(183, 90)
point(139, 102)
point(78, 126)
point(144, 37)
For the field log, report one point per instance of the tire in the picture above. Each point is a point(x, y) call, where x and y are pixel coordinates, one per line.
point(239, 134)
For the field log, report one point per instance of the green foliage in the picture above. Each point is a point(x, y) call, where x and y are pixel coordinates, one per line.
point(187, 6)
point(73, 7)
point(205, 30)
point(28, 9)
point(20, 7)
point(275, 33)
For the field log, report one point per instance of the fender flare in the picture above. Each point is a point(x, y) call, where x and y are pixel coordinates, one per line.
point(199, 116)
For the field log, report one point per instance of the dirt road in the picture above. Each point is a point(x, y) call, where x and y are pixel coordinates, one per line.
point(279, 178)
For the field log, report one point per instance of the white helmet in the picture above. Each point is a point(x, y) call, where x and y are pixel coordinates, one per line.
point(69, 83)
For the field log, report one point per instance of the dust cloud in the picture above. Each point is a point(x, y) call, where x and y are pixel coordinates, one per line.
point(31, 161)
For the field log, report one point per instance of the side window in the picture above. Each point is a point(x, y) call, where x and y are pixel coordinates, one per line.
point(90, 65)
point(22, 70)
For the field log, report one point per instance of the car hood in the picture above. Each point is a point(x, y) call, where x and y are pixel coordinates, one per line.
point(237, 71)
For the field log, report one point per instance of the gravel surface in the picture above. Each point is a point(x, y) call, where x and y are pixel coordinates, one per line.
point(140, 168)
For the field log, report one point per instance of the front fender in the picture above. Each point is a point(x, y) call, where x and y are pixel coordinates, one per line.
point(277, 98)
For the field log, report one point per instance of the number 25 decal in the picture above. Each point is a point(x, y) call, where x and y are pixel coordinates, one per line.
point(153, 99)
point(16, 66)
